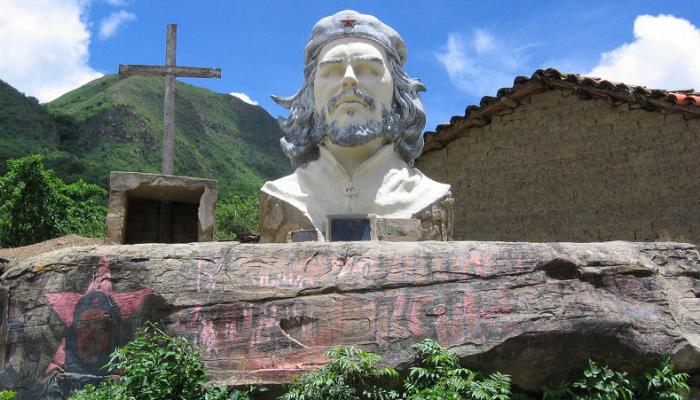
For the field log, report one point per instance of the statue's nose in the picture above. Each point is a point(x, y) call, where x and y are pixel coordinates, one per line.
point(349, 78)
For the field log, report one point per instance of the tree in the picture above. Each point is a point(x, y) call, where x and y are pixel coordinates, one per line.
point(35, 205)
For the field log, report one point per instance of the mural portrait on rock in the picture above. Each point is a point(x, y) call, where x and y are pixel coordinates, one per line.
point(92, 321)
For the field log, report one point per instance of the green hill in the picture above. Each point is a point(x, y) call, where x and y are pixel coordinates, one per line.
point(116, 123)
point(25, 126)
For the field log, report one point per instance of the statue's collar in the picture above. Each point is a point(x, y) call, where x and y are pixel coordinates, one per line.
point(381, 160)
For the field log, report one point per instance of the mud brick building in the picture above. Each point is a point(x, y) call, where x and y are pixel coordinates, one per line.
point(563, 157)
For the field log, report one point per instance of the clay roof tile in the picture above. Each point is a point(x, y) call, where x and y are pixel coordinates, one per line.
point(585, 87)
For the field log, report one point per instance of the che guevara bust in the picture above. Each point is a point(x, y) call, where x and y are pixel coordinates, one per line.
point(354, 129)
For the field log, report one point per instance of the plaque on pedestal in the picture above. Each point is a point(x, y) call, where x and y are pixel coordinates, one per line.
point(303, 235)
point(351, 227)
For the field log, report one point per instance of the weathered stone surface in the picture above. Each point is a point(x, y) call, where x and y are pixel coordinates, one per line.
point(265, 312)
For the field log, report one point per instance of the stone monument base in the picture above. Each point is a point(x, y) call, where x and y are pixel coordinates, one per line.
point(264, 313)
point(281, 221)
point(153, 208)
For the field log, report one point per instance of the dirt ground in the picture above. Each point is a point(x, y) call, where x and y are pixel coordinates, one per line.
point(21, 253)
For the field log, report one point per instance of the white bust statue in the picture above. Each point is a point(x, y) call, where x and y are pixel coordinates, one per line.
point(355, 128)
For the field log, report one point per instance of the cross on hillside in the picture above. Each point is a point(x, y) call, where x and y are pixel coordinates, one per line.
point(169, 71)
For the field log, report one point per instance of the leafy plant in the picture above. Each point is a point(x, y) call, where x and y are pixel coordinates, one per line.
point(7, 394)
point(664, 384)
point(236, 216)
point(597, 383)
point(351, 374)
point(438, 375)
point(35, 205)
point(157, 366)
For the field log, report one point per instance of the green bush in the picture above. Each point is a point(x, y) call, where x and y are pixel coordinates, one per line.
point(35, 205)
point(351, 374)
point(602, 383)
point(237, 216)
point(157, 366)
point(663, 384)
point(437, 375)
point(7, 394)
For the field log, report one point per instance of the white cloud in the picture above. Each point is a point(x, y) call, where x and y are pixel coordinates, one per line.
point(44, 47)
point(665, 55)
point(117, 3)
point(111, 24)
point(480, 64)
point(244, 97)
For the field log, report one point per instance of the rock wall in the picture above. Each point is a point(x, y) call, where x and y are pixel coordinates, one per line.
point(262, 313)
point(559, 168)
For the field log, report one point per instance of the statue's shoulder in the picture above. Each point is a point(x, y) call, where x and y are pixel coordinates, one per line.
point(282, 209)
point(283, 186)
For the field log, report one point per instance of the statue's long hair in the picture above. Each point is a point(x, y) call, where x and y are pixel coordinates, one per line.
point(403, 125)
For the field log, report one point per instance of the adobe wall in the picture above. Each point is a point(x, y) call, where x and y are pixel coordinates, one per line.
point(559, 168)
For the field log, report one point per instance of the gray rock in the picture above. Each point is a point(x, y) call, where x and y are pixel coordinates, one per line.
point(262, 313)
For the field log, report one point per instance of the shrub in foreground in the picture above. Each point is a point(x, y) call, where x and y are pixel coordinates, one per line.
point(157, 366)
point(351, 374)
point(7, 394)
point(437, 375)
point(602, 383)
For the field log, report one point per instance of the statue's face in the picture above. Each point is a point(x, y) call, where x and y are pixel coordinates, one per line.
point(353, 83)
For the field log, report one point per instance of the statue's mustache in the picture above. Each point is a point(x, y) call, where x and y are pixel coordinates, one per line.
point(353, 94)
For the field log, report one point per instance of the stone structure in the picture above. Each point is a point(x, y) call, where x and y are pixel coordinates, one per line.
point(353, 133)
point(262, 313)
point(561, 157)
point(137, 215)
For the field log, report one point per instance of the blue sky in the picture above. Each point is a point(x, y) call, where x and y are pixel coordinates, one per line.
point(462, 50)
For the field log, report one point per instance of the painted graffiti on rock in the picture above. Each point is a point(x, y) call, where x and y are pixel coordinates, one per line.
point(290, 334)
point(92, 322)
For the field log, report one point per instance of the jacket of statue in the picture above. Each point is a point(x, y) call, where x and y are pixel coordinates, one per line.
point(383, 185)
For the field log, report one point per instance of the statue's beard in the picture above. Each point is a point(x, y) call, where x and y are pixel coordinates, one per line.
point(355, 134)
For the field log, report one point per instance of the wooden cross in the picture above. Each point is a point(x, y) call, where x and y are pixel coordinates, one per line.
point(169, 71)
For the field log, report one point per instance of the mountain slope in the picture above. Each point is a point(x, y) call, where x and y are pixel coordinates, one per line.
point(116, 123)
point(25, 126)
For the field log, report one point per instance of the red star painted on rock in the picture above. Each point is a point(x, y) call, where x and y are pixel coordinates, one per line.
point(64, 304)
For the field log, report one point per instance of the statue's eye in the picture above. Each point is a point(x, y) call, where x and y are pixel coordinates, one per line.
point(370, 68)
point(331, 71)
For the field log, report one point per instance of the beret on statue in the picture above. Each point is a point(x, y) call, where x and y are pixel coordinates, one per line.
point(350, 23)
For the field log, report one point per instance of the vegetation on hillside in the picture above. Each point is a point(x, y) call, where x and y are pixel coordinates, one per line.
point(237, 216)
point(25, 126)
point(35, 205)
point(116, 124)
